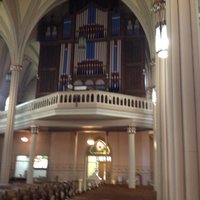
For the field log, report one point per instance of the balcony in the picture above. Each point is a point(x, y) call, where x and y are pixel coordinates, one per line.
point(77, 110)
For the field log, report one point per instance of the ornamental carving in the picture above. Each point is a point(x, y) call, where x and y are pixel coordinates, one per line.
point(16, 67)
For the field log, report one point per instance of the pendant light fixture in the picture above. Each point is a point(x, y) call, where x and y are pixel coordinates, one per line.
point(161, 39)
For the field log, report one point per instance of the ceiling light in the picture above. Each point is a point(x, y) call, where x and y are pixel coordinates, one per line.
point(24, 139)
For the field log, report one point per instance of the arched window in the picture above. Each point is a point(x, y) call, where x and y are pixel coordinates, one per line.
point(99, 148)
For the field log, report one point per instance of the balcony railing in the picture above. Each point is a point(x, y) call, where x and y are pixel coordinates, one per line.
point(83, 99)
point(70, 98)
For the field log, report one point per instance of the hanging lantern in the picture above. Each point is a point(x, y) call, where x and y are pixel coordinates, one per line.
point(161, 39)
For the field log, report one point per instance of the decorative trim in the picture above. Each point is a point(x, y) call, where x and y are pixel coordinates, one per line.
point(34, 129)
point(16, 67)
point(131, 130)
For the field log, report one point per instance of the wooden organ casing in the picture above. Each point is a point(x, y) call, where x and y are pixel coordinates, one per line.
point(112, 59)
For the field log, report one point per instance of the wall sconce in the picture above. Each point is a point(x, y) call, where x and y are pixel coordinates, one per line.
point(161, 39)
point(37, 76)
point(90, 141)
point(154, 96)
point(24, 139)
point(8, 76)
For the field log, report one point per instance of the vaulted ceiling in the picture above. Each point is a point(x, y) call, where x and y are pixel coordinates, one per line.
point(18, 21)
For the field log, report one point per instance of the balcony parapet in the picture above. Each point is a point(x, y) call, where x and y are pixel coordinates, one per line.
point(70, 98)
point(81, 99)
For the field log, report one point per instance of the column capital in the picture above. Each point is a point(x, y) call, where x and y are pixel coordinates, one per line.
point(152, 62)
point(14, 67)
point(34, 129)
point(131, 130)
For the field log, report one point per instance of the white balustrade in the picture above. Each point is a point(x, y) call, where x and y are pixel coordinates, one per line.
point(88, 98)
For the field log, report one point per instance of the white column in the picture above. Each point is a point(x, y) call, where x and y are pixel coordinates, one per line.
point(85, 174)
point(155, 156)
point(160, 130)
point(131, 158)
point(106, 141)
point(8, 136)
point(179, 109)
point(75, 156)
point(32, 154)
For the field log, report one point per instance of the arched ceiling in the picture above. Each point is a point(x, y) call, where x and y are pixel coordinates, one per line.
point(18, 18)
point(142, 10)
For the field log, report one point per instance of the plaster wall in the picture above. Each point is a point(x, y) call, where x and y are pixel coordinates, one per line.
point(60, 148)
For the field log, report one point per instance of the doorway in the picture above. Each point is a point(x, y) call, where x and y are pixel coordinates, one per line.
point(99, 168)
point(99, 162)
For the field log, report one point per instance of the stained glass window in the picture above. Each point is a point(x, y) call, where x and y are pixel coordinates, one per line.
point(99, 148)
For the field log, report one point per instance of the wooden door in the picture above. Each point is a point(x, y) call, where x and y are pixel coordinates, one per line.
point(103, 167)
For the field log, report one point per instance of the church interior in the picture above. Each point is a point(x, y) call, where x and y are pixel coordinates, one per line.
point(92, 95)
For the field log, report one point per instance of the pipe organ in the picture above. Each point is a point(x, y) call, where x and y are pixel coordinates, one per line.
point(103, 60)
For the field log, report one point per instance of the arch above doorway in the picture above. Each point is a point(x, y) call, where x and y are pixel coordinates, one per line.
point(99, 148)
